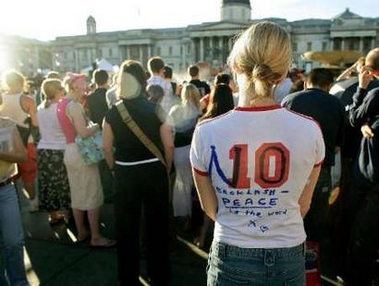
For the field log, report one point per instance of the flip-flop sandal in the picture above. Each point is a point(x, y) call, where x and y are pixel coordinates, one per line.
point(109, 244)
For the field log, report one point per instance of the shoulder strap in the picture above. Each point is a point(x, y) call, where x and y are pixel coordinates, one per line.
point(128, 120)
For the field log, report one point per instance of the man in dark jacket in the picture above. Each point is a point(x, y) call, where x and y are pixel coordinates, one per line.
point(364, 114)
point(316, 102)
point(202, 86)
point(97, 102)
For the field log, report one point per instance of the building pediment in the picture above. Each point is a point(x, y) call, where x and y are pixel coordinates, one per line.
point(223, 25)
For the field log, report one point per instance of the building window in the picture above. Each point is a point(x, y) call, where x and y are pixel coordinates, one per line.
point(352, 44)
point(170, 51)
point(337, 44)
point(324, 46)
point(110, 52)
point(159, 50)
point(309, 46)
point(366, 44)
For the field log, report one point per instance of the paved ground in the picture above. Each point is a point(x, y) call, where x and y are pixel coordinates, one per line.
point(52, 258)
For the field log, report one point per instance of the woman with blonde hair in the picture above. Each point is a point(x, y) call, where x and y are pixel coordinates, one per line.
point(85, 185)
point(53, 185)
point(22, 108)
point(183, 118)
point(255, 169)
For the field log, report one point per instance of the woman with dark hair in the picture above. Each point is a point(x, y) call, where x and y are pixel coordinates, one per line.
point(224, 80)
point(221, 102)
point(140, 178)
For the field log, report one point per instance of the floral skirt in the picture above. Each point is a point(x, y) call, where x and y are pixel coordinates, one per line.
point(53, 185)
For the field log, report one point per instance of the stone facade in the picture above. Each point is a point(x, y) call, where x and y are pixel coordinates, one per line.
point(208, 42)
point(211, 42)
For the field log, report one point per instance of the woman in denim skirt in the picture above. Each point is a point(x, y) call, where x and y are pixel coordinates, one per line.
point(255, 169)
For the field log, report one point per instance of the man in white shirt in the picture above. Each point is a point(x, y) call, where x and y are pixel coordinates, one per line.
point(155, 66)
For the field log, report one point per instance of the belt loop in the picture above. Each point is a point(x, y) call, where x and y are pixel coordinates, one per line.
point(221, 249)
point(225, 250)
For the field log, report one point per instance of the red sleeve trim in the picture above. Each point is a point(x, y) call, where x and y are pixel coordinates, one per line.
point(319, 164)
point(201, 173)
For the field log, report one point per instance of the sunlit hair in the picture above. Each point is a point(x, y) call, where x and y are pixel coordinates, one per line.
point(49, 89)
point(13, 79)
point(131, 86)
point(372, 59)
point(190, 95)
point(263, 54)
point(54, 74)
point(155, 64)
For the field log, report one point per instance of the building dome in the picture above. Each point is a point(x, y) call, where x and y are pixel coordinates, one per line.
point(238, 11)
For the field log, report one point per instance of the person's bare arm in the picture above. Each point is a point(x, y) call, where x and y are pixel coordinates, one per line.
point(18, 154)
point(306, 196)
point(75, 112)
point(108, 139)
point(207, 195)
point(29, 105)
point(168, 144)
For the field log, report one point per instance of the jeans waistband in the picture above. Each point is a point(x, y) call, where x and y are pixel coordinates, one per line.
point(226, 250)
point(6, 182)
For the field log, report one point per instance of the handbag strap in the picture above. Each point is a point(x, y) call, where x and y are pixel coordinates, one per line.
point(128, 120)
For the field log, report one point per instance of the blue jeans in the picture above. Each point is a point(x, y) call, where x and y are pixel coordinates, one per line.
point(12, 269)
point(232, 265)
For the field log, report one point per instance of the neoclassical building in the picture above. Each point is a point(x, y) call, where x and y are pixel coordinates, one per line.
point(210, 42)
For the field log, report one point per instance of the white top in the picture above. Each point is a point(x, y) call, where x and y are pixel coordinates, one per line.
point(52, 136)
point(259, 160)
point(282, 90)
point(7, 170)
point(168, 99)
point(11, 107)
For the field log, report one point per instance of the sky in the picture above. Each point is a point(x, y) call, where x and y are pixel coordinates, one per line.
point(45, 19)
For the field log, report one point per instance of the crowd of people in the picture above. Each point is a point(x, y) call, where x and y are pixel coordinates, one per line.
point(255, 148)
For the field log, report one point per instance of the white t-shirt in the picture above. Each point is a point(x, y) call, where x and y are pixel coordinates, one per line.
point(259, 160)
point(282, 90)
point(52, 136)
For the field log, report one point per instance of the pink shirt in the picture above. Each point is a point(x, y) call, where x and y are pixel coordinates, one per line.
point(65, 122)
